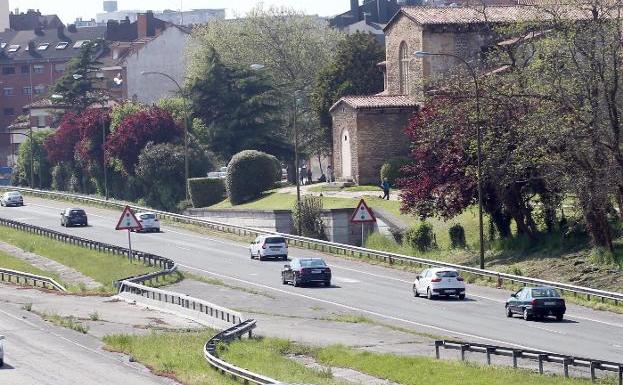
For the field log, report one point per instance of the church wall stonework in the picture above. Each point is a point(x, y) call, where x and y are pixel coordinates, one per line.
point(344, 117)
point(403, 29)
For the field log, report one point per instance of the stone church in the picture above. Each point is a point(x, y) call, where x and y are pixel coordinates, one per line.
point(369, 130)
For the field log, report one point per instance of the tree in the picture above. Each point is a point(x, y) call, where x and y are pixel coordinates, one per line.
point(42, 168)
point(352, 71)
point(60, 146)
point(125, 144)
point(78, 88)
point(123, 110)
point(160, 172)
point(238, 107)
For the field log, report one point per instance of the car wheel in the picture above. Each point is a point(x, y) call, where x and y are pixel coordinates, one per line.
point(1, 362)
point(297, 282)
point(327, 283)
point(526, 315)
point(559, 317)
point(251, 254)
point(283, 280)
point(509, 312)
point(461, 296)
point(261, 257)
point(429, 293)
point(285, 258)
point(415, 292)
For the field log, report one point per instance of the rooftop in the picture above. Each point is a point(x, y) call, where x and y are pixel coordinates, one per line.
point(377, 101)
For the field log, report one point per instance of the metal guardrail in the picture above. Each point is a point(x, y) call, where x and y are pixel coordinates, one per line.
point(36, 280)
point(226, 336)
point(534, 355)
point(183, 301)
point(331, 247)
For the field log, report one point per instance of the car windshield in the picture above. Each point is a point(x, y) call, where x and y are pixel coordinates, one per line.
point(77, 212)
point(544, 292)
point(148, 216)
point(312, 263)
point(275, 240)
point(447, 274)
point(13, 194)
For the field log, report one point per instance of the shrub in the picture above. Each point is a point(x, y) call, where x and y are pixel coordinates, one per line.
point(249, 174)
point(457, 236)
point(421, 237)
point(205, 192)
point(310, 217)
point(391, 169)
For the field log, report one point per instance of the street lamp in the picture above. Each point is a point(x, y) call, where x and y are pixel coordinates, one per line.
point(186, 171)
point(472, 72)
point(258, 67)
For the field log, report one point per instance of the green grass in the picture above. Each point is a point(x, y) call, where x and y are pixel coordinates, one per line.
point(68, 322)
point(179, 355)
point(328, 188)
point(103, 268)
point(8, 261)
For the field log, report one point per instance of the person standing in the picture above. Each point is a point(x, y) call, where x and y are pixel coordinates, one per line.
point(309, 175)
point(386, 186)
point(330, 174)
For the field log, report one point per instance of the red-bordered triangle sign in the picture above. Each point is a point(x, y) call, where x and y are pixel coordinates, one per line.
point(128, 221)
point(363, 214)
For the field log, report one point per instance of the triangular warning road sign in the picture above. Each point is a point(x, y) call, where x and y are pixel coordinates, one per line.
point(363, 214)
point(128, 221)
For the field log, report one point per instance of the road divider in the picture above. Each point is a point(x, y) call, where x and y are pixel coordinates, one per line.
point(330, 247)
point(30, 279)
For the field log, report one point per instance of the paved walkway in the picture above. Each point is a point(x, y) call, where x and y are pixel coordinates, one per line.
point(66, 274)
point(305, 189)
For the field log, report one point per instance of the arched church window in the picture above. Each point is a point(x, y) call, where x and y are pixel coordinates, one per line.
point(404, 68)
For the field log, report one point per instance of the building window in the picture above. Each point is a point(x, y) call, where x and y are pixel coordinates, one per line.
point(27, 90)
point(39, 90)
point(25, 69)
point(404, 68)
point(9, 91)
point(9, 111)
point(41, 121)
point(38, 68)
point(8, 70)
point(60, 67)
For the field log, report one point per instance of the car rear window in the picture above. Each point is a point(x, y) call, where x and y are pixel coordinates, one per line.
point(543, 293)
point(447, 274)
point(313, 263)
point(14, 194)
point(148, 216)
point(274, 240)
point(77, 212)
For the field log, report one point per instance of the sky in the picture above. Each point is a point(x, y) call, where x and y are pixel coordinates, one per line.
point(68, 10)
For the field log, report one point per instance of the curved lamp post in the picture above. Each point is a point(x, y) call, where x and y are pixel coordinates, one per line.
point(472, 72)
point(186, 169)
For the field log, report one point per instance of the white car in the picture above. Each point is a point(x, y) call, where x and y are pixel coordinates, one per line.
point(1, 351)
point(269, 246)
point(149, 221)
point(436, 282)
point(11, 198)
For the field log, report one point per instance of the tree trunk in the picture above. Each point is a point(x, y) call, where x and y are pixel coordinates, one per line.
point(599, 228)
point(620, 201)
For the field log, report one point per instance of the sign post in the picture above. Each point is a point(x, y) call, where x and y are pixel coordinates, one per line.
point(129, 222)
point(363, 214)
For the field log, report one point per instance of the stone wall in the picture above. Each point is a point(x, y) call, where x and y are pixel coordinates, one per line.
point(403, 29)
point(380, 137)
point(344, 118)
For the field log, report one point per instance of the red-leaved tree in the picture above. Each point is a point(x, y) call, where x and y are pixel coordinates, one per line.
point(94, 124)
point(125, 144)
point(60, 146)
point(439, 180)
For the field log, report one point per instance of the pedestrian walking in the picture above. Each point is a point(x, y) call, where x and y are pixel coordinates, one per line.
point(309, 175)
point(330, 175)
point(302, 174)
point(386, 186)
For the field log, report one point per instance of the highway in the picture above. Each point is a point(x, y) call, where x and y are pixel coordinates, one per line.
point(39, 353)
point(373, 291)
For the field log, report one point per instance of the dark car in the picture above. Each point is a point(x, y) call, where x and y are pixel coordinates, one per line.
point(303, 271)
point(74, 217)
point(536, 302)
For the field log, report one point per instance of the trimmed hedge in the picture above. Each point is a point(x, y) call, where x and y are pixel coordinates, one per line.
point(206, 192)
point(421, 237)
point(249, 174)
point(391, 169)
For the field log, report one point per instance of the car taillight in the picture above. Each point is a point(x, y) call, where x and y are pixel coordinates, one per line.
point(264, 246)
point(436, 280)
point(460, 279)
point(304, 271)
point(327, 270)
point(534, 302)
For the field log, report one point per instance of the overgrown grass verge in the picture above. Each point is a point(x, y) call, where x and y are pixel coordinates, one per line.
point(8, 261)
point(69, 322)
point(103, 268)
point(179, 355)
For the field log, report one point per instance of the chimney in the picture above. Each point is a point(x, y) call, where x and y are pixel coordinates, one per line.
point(354, 9)
point(60, 32)
point(367, 16)
point(141, 25)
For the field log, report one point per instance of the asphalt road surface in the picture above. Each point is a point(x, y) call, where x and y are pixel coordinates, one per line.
point(372, 291)
point(42, 354)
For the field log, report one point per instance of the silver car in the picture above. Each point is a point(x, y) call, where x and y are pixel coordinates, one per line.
point(149, 221)
point(269, 246)
point(12, 198)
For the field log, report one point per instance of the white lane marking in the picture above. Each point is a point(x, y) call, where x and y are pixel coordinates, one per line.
point(380, 315)
point(184, 248)
point(573, 316)
point(345, 280)
point(547, 329)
